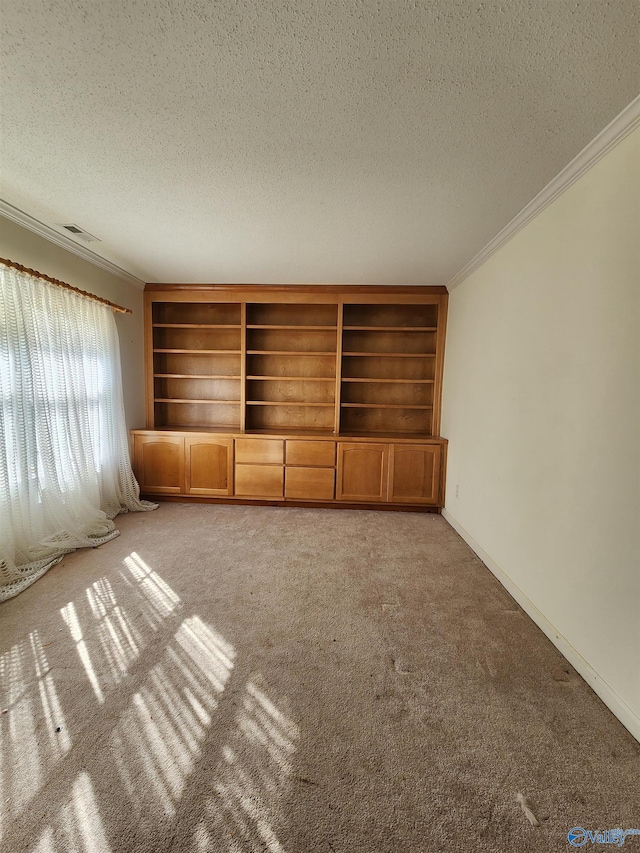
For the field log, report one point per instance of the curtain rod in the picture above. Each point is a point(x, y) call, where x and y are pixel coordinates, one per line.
point(64, 284)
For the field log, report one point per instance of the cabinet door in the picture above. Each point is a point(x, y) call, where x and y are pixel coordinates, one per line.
point(362, 472)
point(159, 463)
point(414, 473)
point(209, 465)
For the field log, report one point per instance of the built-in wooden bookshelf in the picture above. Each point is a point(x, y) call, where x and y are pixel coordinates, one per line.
point(341, 367)
point(347, 374)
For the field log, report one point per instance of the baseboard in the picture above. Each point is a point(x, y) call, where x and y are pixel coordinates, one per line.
point(287, 502)
point(616, 705)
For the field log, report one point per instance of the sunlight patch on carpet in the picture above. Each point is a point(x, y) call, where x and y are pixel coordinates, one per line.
point(119, 639)
point(108, 640)
point(158, 738)
point(29, 748)
point(253, 777)
point(79, 827)
point(161, 600)
point(70, 616)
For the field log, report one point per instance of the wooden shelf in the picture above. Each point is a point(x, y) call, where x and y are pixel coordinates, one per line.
point(223, 429)
point(379, 434)
point(389, 381)
point(270, 378)
point(390, 328)
point(197, 326)
point(391, 354)
point(195, 376)
point(383, 406)
point(202, 351)
point(297, 353)
point(293, 328)
point(297, 433)
point(291, 433)
point(208, 402)
point(288, 403)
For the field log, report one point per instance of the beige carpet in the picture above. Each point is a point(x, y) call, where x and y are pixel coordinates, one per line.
point(235, 679)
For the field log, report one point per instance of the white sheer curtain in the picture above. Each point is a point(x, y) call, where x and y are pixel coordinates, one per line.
point(65, 471)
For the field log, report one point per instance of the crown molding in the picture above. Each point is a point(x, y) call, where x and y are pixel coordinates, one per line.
point(21, 218)
point(622, 125)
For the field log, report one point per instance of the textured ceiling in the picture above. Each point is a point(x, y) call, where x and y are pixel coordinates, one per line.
point(345, 141)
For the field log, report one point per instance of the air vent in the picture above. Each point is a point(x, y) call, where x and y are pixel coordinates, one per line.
point(80, 233)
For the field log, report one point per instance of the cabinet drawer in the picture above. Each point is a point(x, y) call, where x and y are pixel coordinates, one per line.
point(266, 451)
point(259, 481)
point(320, 453)
point(310, 484)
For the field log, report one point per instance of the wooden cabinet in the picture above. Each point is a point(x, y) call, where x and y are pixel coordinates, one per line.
point(159, 463)
point(414, 473)
point(362, 472)
point(208, 465)
point(251, 390)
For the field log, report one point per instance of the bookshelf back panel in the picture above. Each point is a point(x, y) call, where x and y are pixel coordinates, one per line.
point(197, 339)
point(290, 417)
point(385, 421)
point(291, 365)
point(197, 415)
point(379, 367)
point(389, 393)
point(285, 340)
point(291, 390)
point(387, 341)
point(283, 314)
point(218, 313)
point(197, 364)
point(390, 315)
point(197, 389)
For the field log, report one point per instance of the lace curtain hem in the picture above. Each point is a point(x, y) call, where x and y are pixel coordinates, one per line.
point(15, 579)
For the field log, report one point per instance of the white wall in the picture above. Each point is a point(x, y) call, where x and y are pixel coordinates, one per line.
point(542, 410)
point(24, 247)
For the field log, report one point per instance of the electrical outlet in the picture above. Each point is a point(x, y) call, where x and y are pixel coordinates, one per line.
point(457, 490)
